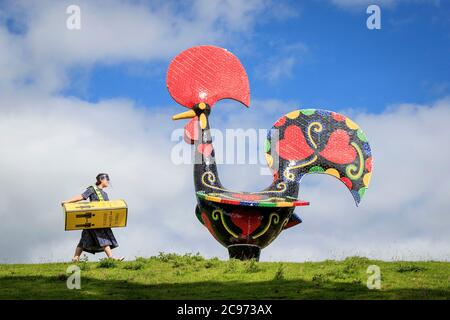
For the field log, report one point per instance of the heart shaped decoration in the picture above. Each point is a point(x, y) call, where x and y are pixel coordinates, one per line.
point(191, 131)
point(338, 150)
point(293, 146)
point(205, 149)
point(247, 221)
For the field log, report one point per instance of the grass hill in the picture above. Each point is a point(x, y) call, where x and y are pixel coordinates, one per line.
point(171, 276)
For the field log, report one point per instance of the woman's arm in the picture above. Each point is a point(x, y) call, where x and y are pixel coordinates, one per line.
point(74, 199)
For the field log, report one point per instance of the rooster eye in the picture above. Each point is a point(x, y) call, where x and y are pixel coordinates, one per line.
point(202, 108)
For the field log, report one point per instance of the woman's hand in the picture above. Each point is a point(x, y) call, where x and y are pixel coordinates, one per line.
point(74, 199)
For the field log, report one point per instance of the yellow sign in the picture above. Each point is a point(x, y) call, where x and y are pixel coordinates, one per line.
point(95, 215)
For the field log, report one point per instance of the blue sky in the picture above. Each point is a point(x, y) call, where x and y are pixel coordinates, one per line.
point(331, 59)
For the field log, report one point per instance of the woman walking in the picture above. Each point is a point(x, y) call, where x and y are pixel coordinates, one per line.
point(95, 240)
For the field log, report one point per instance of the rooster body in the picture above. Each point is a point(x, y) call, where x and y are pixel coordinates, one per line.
point(301, 142)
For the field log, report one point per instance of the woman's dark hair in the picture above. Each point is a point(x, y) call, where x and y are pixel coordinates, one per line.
point(100, 177)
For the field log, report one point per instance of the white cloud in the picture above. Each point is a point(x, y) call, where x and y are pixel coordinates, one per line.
point(282, 62)
point(54, 146)
point(114, 32)
point(282, 68)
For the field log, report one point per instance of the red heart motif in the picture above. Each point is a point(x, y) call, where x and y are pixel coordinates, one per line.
point(275, 176)
point(247, 221)
point(338, 149)
point(191, 131)
point(246, 197)
point(205, 148)
point(293, 146)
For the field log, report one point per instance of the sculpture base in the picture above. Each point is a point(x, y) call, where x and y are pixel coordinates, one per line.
point(244, 251)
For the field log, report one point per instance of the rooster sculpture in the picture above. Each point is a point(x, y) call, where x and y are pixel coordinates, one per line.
point(301, 142)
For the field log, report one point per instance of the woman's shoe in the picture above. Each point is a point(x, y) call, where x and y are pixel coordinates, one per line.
point(117, 259)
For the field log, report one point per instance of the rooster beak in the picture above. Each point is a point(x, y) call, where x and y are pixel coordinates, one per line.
point(184, 115)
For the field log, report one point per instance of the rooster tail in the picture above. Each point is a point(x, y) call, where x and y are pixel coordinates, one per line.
point(319, 141)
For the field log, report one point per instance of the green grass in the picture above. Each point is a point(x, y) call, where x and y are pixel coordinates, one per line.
point(171, 276)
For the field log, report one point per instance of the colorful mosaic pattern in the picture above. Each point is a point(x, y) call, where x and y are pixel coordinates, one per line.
point(320, 141)
point(252, 200)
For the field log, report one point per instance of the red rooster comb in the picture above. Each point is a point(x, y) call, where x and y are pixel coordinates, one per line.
point(207, 74)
